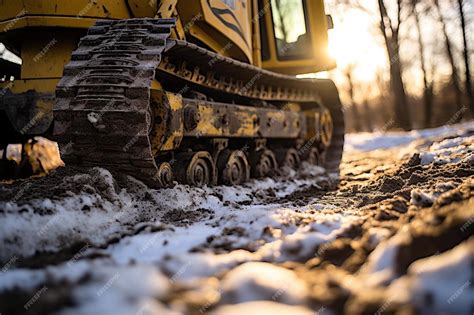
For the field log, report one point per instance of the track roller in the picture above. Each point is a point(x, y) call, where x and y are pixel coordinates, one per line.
point(288, 157)
point(165, 175)
point(264, 164)
point(314, 157)
point(234, 168)
point(327, 127)
point(195, 169)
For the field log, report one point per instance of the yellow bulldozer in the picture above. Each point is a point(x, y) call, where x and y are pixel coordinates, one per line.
point(200, 92)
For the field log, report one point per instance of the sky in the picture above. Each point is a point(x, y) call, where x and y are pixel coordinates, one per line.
point(356, 40)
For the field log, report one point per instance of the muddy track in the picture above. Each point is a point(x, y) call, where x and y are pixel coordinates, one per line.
point(103, 110)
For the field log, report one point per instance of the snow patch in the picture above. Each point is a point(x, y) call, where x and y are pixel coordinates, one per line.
point(262, 308)
point(421, 198)
point(437, 285)
point(385, 140)
point(304, 242)
point(121, 290)
point(448, 151)
point(254, 281)
point(380, 266)
point(104, 287)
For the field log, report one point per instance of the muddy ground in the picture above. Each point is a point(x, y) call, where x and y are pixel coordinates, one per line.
point(393, 236)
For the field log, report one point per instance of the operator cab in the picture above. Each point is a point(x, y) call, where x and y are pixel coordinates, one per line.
point(294, 36)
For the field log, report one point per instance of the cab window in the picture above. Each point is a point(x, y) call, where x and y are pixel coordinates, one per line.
point(290, 24)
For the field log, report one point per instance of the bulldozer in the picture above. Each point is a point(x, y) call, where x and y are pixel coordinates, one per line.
point(199, 92)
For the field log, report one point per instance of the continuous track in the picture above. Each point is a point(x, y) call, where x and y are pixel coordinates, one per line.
point(103, 109)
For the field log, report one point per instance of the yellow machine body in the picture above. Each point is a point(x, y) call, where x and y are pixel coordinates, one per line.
point(44, 32)
point(158, 74)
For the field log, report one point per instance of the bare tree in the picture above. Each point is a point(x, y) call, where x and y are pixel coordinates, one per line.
point(468, 82)
point(369, 125)
point(450, 53)
point(386, 112)
point(391, 34)
point(427, 85)
point(349, 69)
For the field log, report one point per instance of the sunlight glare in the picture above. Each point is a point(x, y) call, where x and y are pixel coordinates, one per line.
point(351, 43)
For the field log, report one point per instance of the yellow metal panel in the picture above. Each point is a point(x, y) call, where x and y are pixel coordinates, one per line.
point(46, 56)
point(11, 10)
point(167, 136)
point(206, 125)
point(46, 21)
point(166, 9)
point(319, 34)
point(224, 29)
point(248, 127)
point(256, 40)
point(234, 23)
point(113, 9)
point(143, 8)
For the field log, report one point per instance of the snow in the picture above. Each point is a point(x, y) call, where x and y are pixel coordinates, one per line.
point(377, 235)
point(469, 159)
point(240, 235)
point(149, 247)
point(262, 308)
point(380, 267)
point(436, 284)
point(109, 289)
point(448, 151)
point(305, 240)
point(121, 290)
point(127, 280)
point(65, 222)
point(293, 243)
point(421, 198)
point(426, 198)
point(93, 118)
point(255, 281)
point(28, 280)
point(385, 140)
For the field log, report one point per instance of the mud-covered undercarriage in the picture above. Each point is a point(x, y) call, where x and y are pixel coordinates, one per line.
point(160, 109)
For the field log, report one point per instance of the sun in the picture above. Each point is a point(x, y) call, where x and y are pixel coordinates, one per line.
point(352, 43)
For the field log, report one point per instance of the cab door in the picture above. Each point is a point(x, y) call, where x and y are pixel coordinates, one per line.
point(294, 38)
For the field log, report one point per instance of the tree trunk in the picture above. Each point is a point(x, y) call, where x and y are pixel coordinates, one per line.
point(454, 70)
point(355, 111)
point(368, 117)
point(402, 112)
point(427, 90)
point(468, 82)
